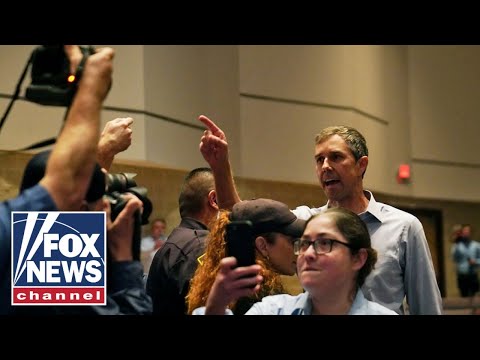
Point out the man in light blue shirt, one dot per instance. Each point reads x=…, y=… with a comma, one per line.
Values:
x=405, y=267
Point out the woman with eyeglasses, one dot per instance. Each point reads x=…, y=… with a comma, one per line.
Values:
x=334, y=258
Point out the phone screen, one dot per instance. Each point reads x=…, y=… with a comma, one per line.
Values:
x=240, y=242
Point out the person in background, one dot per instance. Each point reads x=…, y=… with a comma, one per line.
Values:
x=334, y=258
x=466, y=255
x=152, y=243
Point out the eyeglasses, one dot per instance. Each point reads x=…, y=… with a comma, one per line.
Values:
x=321, y=246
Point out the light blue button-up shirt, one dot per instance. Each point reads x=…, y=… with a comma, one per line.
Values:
x=404, y=266
x=301, y=304
x=462, y=252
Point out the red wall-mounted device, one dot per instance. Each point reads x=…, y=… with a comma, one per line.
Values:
x=403, y=174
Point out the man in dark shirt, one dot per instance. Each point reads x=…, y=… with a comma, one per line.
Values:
x=175, y=263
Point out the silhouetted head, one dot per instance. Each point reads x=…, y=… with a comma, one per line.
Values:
x=35, y=171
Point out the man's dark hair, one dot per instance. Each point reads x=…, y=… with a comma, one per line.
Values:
x=352, y=137
x=196, y=186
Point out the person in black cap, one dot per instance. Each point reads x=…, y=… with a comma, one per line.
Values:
x=274, y=229
x=125, y=288
x=35, y=171
x=334, y=258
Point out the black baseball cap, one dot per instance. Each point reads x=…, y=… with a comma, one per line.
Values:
x=268, y=215
x=35, y=171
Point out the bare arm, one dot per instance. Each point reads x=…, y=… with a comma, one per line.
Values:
x=214, y=148
x=72, y=160
x=116, y=137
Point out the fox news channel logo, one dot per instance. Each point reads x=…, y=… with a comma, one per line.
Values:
x=58, y=258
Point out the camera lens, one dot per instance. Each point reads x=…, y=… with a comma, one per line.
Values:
x=120, y=182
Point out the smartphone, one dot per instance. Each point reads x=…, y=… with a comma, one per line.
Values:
x=240, y=242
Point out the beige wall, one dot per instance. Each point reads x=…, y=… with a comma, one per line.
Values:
x=443, y=94
x=310, y=87
x=182, y=82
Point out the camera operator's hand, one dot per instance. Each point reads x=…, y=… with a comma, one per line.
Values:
x=97, y=75
x=95, y=63
x=120, y=232
x=116, y=137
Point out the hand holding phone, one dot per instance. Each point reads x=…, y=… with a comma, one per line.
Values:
x=240, y=242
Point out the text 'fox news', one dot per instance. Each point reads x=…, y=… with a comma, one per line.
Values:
x=58, y=258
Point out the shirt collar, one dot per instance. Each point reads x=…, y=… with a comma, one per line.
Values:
x=191, y=223
x=303, y=305
x=358, y=303
x=373, y=207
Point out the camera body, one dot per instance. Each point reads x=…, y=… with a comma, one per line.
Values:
x=121, y=183
x=50, y=73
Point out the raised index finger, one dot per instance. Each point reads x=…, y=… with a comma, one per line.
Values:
x=129, y=121
x=210, y=124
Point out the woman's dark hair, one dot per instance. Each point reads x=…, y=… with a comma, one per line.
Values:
x=356, y=233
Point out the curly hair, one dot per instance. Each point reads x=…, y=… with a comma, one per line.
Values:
x=206, y=273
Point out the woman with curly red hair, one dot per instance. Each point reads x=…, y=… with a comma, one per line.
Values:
x=274, y=228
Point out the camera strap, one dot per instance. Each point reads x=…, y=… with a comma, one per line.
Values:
x=47, y=142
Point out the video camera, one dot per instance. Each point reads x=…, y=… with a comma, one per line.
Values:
x=52, y=83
